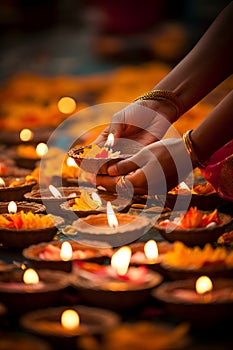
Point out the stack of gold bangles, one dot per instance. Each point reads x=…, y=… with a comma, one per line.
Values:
x=191, y=151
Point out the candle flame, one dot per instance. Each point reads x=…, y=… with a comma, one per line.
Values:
x=2, y=182
x=66, y=251
x=70, y=319
x=203, y=285
x=71, y=162
x=26, y=135
x=96, y=197
x=110, y=140
x=12, y=207
x=112, y=219
x=67, y=105
x=41, y=149
x=55, y=192
x=184, y=186
x=121, y=259
x=151, y=250
x=30, y=276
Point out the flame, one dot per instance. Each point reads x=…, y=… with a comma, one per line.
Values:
x=30, y=276
x=110, y=140
x=151, y=250
x=26, y=135
x=112, y=219
x=71, y=162
x=70, y=319
x=203, y=285
x=2, y=183
x=66, y=251
x=55, y=192
x=67, y=105
x=12, y=207
x=184, y=186
x=121, y=259
x=96, y=197
x=41, y=149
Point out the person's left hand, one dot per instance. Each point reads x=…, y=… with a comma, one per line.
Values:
x=155, y=169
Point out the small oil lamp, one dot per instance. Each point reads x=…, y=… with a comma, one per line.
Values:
x=110, y=141
x=120, y=260
x=70, y=319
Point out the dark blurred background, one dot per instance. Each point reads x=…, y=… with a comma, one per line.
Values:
x=84, y=37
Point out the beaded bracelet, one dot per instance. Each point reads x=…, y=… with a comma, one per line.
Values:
x=191, y=151
x=166, y=96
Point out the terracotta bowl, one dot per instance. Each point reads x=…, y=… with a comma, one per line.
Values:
x=19, y=239
x=95, y=228
x=32, y=254
x=201, y=201
x=20, y=298
x=46, y=323
x=120, y=204
x=35, y=208
x=201, y=314
x=213, y=271
x=94, y=165
x=193, y=236
x=118, y=296
x=15, y=193
x=52, y=204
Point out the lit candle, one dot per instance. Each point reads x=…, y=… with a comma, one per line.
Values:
x=41, y=149
x=184, y=186
x=110, y=141
x=12, y=207
x=2, y=183
x=121, y=259
x=30, y=276
x=66, y=251
x=70, y=319
x=55, y=192
x=96, y=197
x=112, y=219
x=151, y=250
x=71, y=162
x=26, y=135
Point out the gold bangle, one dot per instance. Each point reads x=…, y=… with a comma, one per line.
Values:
x=166, y=96
x=191, y=151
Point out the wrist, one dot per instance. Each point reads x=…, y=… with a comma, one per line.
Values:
x=163, y=108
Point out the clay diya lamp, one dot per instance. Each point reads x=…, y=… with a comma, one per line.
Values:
x=23, y=290
x=91, y=203
x=35, y=208
x=20, y=229
x=57, y=255
x=203, y=302
x=192, y=262
x=64, y=326
x=193, y=228
x=150, y=253
x=111, y=229
x=52, y=197
x=27, y=155
x=117, y=286
x=203, y=196
x=95, y=159
x=13, y=189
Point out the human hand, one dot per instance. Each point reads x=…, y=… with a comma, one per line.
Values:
x=137, y=122
x=155, y=169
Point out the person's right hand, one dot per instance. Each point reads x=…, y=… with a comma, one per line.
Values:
x=138, y=122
